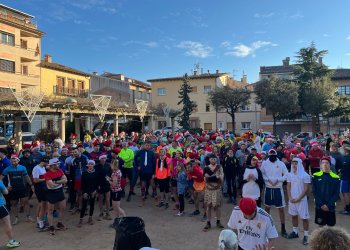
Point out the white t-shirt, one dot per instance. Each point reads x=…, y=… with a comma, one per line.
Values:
x=38, y=172
x=252, y=232
x=251, y=188
x=297, y=184
x=274, y=171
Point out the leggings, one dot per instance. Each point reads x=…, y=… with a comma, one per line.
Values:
x=182, y=202
x=231, y=185
x=91, y=201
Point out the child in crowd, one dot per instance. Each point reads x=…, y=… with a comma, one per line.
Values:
x=181, y=187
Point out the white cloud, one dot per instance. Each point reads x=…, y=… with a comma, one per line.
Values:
x=150, y=44
x=266, y=15
x=242, y=50
x=325, y=35
x=297, y=15
x=102, y=5
x=347, y=54
x=195, y=49
x=348, y=38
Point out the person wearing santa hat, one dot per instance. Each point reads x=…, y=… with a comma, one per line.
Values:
x=36, y=155
x=103, y=169
x=95, y=154
x=314, y=156
x=253, y=226
x=127, y=155
x=18, y=178
x=326, y=188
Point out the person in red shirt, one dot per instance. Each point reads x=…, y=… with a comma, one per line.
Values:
x=55, y=179
x=314, y=156
x=195, y=173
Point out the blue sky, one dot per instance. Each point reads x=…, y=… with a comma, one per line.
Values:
x=147, y=39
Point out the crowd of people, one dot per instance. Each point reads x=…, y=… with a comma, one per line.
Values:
x=205, y=169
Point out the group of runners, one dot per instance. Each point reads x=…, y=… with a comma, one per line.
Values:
x=203, y=168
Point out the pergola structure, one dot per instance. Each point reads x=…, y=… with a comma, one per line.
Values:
x=53, y=105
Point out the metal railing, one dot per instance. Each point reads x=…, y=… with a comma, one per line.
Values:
x=24, y=22
x=64, y=91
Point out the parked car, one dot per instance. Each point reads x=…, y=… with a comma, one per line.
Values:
x=27, y=137
x=303, y=135
x=165, y=130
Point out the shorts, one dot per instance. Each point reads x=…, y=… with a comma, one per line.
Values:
x=104, y=189
x=324, y=218
x=40, y=194
x=173, y=183
x=301, y=208
x=77, y=184
x=127, y=173
x=163, y=185
x=274, y=197
x=3, y=212
x=145, y=176
x=344, y=186
x=54, y=196
x=17, y=194
x=116, y=196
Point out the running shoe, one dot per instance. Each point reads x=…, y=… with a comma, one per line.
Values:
x=292, y=235
x=60, y=226
x=160, y=204
x=52, y=230
x=207, y=227
x=179, y=214
x=15, y=222
x=30, y=219
x=219, y=225
x=305, y=240
x=166, y=205
x=13, y=243
x=195, y=213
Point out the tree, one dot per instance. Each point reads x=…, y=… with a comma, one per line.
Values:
x=278, y=96
x=187, y=104
x=229, y=99
x=309, y=71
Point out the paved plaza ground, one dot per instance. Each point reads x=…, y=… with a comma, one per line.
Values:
x=166, y=231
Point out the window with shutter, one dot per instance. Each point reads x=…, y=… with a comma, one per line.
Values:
x=6, y=65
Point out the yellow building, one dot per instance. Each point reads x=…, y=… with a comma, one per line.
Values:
x=19, y=50
x=165, y=91
x=62, y=81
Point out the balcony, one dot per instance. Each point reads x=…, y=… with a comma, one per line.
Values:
x=63, y=91
x=27, y=22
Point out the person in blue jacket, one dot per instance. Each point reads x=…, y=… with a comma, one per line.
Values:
x=325, y=187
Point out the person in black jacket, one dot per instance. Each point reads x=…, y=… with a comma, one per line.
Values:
x=325, y=187
x=345, y=180
x=77, y=169
x=89, y=183
x=231, y=171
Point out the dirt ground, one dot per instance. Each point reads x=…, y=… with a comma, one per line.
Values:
x=166, y=231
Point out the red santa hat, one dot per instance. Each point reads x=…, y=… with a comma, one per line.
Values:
x=35, y=146
x=104, y=133
x=73, y=136
x=193, y=155
x=247, y=205
x=96, y=143
x=107, y=143
x=64, y=148
x=102, y=156
x=26, y=146
x=213, y=136
x=80, y=145
x=116, y=150
x=15, y=156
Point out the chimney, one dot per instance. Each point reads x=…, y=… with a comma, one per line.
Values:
x=320, y=61
x=244, y=79
x=217, y=71
x=286, y=61
x=48, y=58
x=194, y=72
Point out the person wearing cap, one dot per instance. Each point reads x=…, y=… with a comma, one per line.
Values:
x=38, y=174
x=325, y=187
x=298, y=185
x=5, y=218
x=89, y=185
x=275, y=173
x=18, y=178
x=104, y=170
x=345, y=180
x=214, y=177
x=127, y=155
x=4, y=161
x=253, y=181
x=55, y=179
x=314, y=156
x=78, y=167
x=253, y=225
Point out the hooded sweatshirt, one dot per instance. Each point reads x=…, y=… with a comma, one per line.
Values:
x=297, y=180
x=274, y=171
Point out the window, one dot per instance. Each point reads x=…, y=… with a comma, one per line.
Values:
x=245, y=108
x=194, y=89
x=207, y=107
x=24, y=44
x=25, y=70
x=245, y=125
x=161, y=91
x=206, y=89
x=6, y=65
x=81, y=85
x=60, y=81
x=8, y=39
x=148, y=96
x=139, y=94
x=220, y=125
x=344, y=90
x=161, y=124
x=71, y=83
x=208, y=126
x=344, y=120
x=49, y=125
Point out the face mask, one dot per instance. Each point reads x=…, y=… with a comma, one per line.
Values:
x=273, y=158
